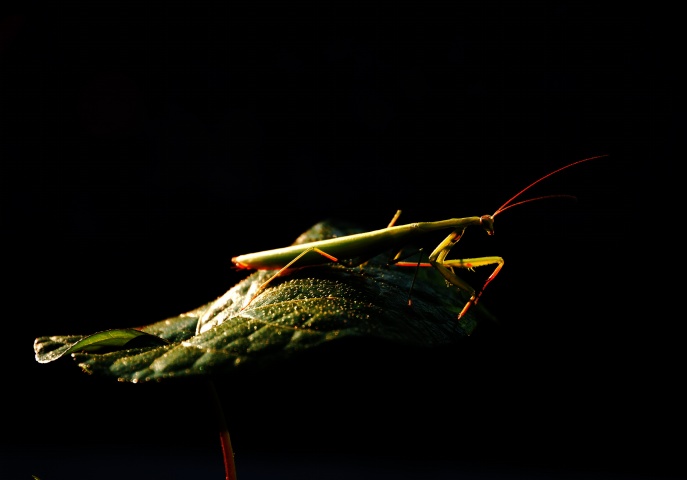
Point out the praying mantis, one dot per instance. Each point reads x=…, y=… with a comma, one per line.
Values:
x=357, y=248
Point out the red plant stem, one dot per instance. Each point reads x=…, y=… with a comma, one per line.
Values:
x=227, y=451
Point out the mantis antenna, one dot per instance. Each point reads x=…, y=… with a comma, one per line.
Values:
x=508, y=203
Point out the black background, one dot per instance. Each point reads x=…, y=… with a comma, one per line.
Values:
x=142, y=147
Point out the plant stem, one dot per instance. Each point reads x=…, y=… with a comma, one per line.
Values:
x=227, y=451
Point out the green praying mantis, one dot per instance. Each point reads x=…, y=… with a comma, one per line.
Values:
x=356, y=249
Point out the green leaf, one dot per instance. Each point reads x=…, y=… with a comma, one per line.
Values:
x=304, y=309
x=49, y=349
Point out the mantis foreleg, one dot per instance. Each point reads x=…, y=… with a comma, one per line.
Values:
x=438, y=260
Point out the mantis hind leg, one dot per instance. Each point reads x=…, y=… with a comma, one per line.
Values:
x=262, y=287
x=361, y=261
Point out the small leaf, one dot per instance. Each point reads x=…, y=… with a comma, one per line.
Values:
x=49, y=349
x=304, y=309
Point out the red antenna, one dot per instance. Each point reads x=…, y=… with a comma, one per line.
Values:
x=508, y=204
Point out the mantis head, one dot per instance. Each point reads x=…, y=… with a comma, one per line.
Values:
x=487, y=222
